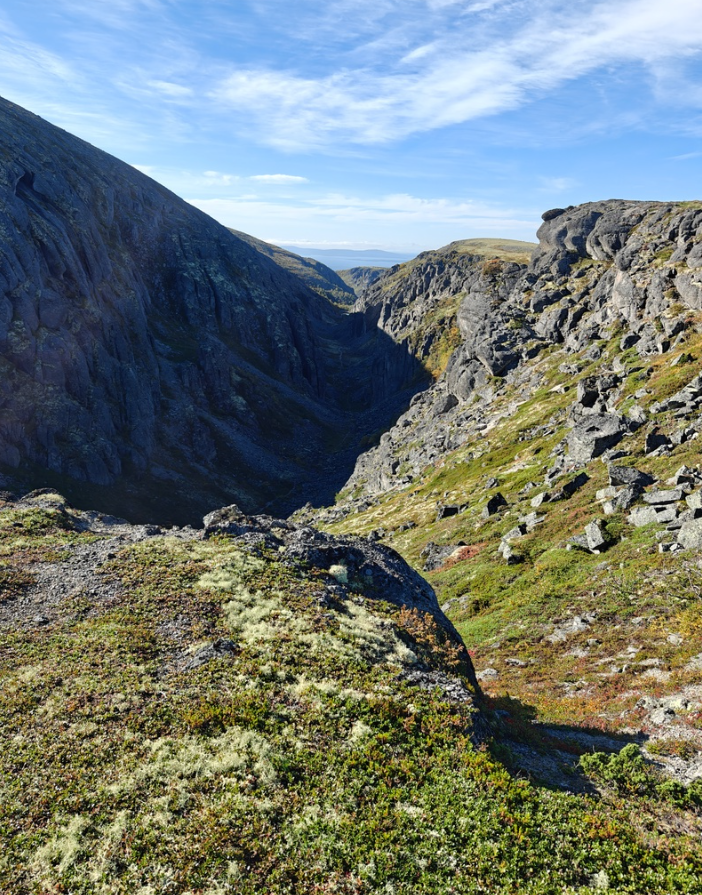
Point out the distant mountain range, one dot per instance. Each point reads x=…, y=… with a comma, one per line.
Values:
x=343, y=259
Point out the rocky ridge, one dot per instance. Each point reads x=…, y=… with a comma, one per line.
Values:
x=548, y=482
x=601, y=269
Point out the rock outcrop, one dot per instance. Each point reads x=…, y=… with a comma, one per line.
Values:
x=600, y=269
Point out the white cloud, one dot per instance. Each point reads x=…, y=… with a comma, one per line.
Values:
x=278, y=178
x=557, y=184
x=170, y=89
x=462, y=79
x=216, y=178
x=394, y=221
x=685, y=156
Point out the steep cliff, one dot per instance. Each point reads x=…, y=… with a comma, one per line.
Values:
x=152, y=356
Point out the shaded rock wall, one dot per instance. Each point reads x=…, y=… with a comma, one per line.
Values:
x=147, y=351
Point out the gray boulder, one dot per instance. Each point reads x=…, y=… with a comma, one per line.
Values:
x=592, y=435
x=596, y=538
x=690, y=535
x=628, y=475
x=672, y=495
x=493, y=506
x=641, y=516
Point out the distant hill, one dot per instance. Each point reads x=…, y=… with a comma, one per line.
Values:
x=314, y=273
x=360, y=278
x=343, y=259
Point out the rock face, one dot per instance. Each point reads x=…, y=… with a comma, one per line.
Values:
x=600, y=269
x=152, y=356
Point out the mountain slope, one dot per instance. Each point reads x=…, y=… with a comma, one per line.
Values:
x=317, y=276
x=153, y=363
x=548, y=482
x=256, y=707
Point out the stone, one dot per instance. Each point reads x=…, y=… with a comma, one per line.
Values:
x=628, y=475
x=517, y=532
x=592, y=435
x=493, y=506
x=443, y=512
x=684, y=358
x=531, y=520
x=655, y=441
x=694, y=500
x=636, y=417
x=626, y=498
x=690, y=535
x=672, y=495
x=508, y=554
x=435, y=555
x=628, y=341
x=641, y=516
x=487, y=674
x=596, y=539
x=569, y=489
x=539, y=499
x=605, y=493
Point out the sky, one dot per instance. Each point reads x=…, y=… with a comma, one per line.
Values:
x=393, y=124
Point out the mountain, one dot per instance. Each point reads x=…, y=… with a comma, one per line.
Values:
x=317, y=276
x=359, y=278
x=156, y=364
x=549, y=482
x=259, y=704
x=342, y=259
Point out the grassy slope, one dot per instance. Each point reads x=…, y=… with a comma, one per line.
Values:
x=506, y=612
x=300, y=764
x=317, y=276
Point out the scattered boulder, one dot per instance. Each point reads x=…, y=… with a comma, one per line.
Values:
x=592, y=435
x=628, y=475
x=593, y=540
x=531, y=520
x=672, y=495
x=641, y=516
x=655, y=441
x=690, y=535
x=443, y=512
x=507, y=553
x=540, y=498
x=622, y=500
x=596, y=539
x=435, y=555
x=493, y=506
x=569, y=489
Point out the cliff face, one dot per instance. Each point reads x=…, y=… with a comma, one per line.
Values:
x=145, y=348
x=599, y=269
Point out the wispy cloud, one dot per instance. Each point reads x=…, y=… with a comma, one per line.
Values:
x=386, y=214
x=557, y=184
x=458, y=82
x=278, y=178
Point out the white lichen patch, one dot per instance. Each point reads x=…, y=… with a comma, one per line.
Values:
x=178, y=763
x=340, y=572
x=62, y=851
x=358, y=732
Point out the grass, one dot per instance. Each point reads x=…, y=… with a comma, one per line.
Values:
x=301, y=763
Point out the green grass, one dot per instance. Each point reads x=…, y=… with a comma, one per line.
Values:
x=302, y=764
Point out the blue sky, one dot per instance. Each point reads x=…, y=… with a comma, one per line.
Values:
x=400, y=124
